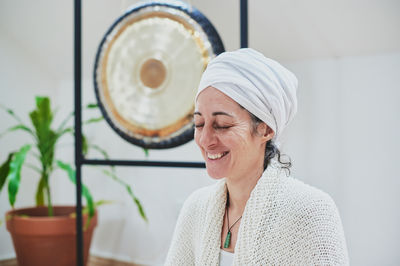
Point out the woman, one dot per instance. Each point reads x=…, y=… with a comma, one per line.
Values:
x=256, y=214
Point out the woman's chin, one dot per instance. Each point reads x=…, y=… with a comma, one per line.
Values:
x=215, y=174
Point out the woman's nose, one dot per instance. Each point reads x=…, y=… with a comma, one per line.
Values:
x=207, y=137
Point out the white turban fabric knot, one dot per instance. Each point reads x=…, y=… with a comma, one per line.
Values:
x=259, y=84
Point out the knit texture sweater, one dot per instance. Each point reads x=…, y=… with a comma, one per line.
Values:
x=285, y=222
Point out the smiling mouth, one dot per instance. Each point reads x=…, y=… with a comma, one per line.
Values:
x=216, y=156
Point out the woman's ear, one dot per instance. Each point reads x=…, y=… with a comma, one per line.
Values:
x=265, y=132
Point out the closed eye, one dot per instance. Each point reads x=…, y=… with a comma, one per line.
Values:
x=215, y=126
x=221, y=127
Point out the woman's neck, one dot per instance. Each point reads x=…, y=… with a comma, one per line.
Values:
x=240, y=188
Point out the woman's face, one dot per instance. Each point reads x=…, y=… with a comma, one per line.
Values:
x=223, y=131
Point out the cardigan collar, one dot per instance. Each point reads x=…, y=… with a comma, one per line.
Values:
x=216, y=209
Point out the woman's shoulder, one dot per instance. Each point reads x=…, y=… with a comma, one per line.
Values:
x=304, y=204
x=305, y=196
x=315, y=220
x=291, y=191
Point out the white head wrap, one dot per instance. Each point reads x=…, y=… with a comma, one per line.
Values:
x=259, y=84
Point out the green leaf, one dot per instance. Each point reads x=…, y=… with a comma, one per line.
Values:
x=64, y=131
x=93, y=120
x=70, y=115
x=130, y=192
x=41, y=118
x=65, y=121
x=101, y=150
x=18, y=127
x=14, y=175
x=104, y=153
x=85, y=145
x=33, y=167
x=4, y=170
x=103, y=202
x=21, y=125
x=97, y=204
x=92, y=105
x=85, y=191
x=146, y=152
x=140, y=209
x=12, y=113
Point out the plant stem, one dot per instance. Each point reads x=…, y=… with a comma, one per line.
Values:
x=48, y=196
x=49, y=205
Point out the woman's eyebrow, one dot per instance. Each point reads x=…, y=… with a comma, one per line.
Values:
x=214, y=113
x=221, y=113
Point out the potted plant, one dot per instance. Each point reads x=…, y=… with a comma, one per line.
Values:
x=45, y=234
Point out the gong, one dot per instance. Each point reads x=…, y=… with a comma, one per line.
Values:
x=147, y=69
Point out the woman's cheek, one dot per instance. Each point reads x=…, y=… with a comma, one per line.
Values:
x=240, y=133
x=196, y=136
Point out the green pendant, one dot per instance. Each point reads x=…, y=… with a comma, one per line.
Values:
x=227, y=240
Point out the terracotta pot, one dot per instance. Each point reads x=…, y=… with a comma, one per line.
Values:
x=40, y=240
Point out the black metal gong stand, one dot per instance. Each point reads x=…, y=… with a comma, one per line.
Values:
x=79, y=158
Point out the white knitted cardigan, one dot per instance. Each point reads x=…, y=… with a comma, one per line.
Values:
x=285, y=222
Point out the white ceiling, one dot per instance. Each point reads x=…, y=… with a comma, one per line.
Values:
x=287, y=30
